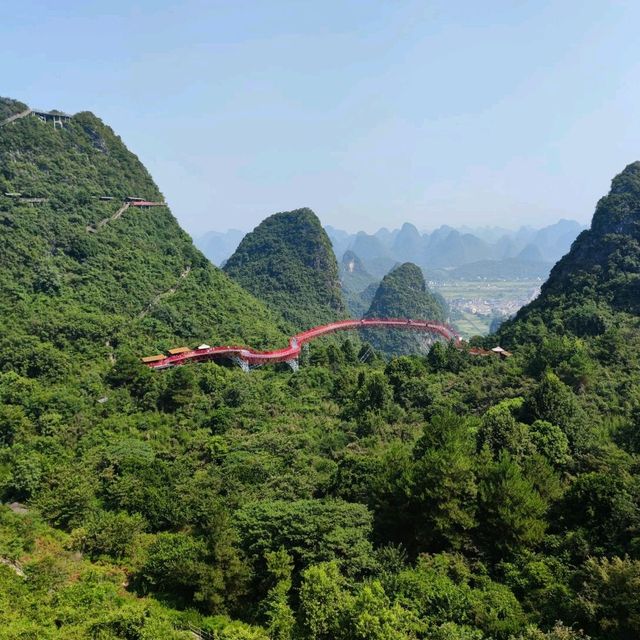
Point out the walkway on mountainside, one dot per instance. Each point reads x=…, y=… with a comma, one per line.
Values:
x=247, y=357
x=140, y=204
x=115, y=216
x=15, y=116
x=164, y=294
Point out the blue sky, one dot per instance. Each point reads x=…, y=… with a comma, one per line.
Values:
x=371, y=113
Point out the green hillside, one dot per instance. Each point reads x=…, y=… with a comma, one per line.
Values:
x=403, y=293
x=72, y=285
x=287, y=261
x=441, y=497
x=10, y=107
x=596, y=286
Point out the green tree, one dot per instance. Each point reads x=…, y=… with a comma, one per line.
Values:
x=550, y=441
x=279, y=615
x=13, y=420
x=608, y=597
x=603, y=508
x=312, y=531
x=66, y=497
x=181, y=388
x=501, y=431
x=111, y=534
x=173, y=566
x=510, y=511
x=558, y=632
x=554, y=402
x=444, y=487
x=323, y=601
x=372, y=616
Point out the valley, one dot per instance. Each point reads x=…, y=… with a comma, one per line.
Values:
x=482, y=277
x=475, y=304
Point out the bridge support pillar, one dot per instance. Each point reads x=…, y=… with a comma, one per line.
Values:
x=243, y=364
x=294, y=364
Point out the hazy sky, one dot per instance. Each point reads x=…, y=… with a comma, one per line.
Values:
x=371, y=113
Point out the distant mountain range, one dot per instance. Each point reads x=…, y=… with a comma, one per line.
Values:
x=445, y=250
x=219, y=245
x=445, y=253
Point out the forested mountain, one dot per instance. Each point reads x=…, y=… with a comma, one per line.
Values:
x=450, y=496
x=403, y=293
x=90, y=276
x=599, y=278
x=287, y=261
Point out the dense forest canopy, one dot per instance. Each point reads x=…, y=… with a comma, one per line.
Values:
x=287, y=261
x=436, y=497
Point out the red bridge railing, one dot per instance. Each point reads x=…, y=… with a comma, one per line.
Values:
x=250, y=357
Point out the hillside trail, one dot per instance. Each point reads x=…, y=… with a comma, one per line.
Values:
x=15, y=116
x=115, y=216
x=164, y=294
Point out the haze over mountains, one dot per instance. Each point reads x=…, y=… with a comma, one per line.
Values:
x=446, y=252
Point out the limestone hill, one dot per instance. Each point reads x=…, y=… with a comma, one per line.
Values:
x=358, y=285
x=287, y=261
x=599, y=278
x=86, y=271
x=403, y=293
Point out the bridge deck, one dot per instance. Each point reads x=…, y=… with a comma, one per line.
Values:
x=292, y=351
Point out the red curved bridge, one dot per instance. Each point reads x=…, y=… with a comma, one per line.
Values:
x=247, y=357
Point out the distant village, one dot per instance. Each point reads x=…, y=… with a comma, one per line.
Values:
x=491, y=306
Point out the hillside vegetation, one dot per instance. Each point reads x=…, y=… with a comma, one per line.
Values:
x=594, y=289
x=10, y=107
x=403, y=293
x=287, y=261
x=437, y=497
x=72, y=292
